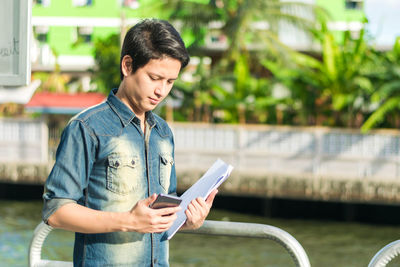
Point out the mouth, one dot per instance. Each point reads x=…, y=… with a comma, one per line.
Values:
x=154, y=101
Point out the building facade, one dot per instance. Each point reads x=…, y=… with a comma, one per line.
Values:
x=65, y=30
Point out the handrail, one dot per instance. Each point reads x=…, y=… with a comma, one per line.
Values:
x=221, y=228
x=35, y=249
x=385, y=255
x=254, y=230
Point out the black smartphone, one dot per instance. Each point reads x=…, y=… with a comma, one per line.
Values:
x=166, y=201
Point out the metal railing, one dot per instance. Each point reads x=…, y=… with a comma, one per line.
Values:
x=35, y=249
x=253, y=230
x=236, y=229
x=385, y=255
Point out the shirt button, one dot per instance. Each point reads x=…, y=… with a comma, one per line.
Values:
x=133, y=162
x=116, y=164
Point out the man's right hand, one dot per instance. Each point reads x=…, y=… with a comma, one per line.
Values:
x=144, y=219
x=141, y=218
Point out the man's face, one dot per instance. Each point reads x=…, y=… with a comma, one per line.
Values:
x=150, y=84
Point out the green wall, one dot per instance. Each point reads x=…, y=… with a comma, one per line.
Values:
x=99, y=8
x=337, y=9
x=339, y=13
x=62, y=38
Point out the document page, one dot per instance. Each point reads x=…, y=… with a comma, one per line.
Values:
x=212, y=179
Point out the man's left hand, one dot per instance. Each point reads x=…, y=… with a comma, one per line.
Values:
x=198, y=210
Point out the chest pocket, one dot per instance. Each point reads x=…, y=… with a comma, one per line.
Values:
x=166, y=162
x=123, y=173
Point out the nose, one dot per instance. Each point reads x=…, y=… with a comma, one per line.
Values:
x=161, y=89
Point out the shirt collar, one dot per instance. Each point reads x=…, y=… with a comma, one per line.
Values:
x=124, y=113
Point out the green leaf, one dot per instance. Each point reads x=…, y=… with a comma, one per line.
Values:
x=339, y=101
x=379, y=115
x=329, y=56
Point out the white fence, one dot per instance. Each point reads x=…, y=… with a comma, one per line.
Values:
x=262, y=150
x=23, y=141
x=290, y=150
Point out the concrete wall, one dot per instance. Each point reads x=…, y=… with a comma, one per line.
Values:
x=293, y=151
x=291, y=162
x=23, y=140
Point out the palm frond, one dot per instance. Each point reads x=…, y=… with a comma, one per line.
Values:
x=379, y=115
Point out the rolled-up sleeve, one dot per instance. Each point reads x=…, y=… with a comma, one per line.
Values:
x=71, y=171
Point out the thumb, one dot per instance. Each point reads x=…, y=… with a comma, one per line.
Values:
x=148, y=201
x=211, y=197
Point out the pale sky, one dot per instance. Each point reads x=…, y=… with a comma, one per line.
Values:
x=384, y=20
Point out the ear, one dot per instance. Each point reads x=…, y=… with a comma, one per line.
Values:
x=126, y=65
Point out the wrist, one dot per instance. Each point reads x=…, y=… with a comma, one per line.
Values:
x=124, y=222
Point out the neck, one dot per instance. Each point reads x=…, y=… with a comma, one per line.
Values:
x=126, y=100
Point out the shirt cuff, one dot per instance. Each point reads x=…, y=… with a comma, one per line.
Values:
x=50, y=206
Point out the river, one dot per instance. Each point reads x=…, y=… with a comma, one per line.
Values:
x=327, y=243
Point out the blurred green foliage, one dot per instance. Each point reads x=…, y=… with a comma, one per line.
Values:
x=257, y=79
x=107, y=57
x=332, y=90
x=384, y=74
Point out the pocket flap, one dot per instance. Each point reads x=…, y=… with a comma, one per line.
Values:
x=117, y=161
x=167, y=159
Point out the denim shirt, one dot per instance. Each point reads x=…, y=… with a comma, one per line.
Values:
x=105, y=162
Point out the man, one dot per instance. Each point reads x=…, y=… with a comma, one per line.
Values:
x=114, y=158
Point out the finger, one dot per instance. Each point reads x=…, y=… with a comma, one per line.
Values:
x=211, y=197
x=200, y=206
x=168, y=211
x=201, y=202
x=168, y=218
x=194, y=207
x=163, y=228
x=197, y=211
x=165, y=224
x=163, y=221
x=189, y=215
x=194, y=220
x=148, y=201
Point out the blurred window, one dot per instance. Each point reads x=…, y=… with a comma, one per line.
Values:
x=41, y=33
x=354, y=4
x=133, y=4
x=82, y=2
x=85, y=34
x=44, y=3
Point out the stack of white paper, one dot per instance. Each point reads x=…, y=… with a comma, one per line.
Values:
x=213, y=178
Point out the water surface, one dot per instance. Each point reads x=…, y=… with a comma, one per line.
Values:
x=327, y=243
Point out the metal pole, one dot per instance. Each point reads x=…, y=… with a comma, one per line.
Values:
x=253, y=230
x=220, y=228
x=385, y=255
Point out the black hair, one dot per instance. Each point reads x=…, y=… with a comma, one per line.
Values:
x=152, y=39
